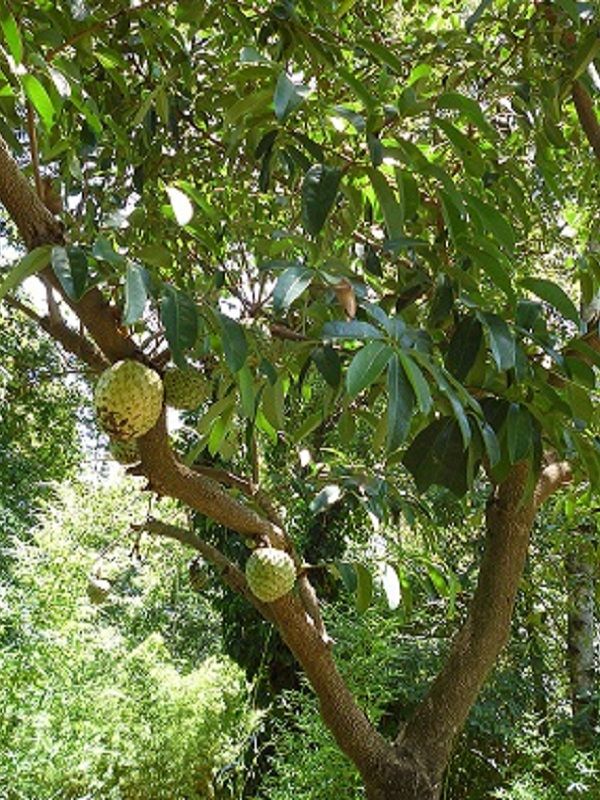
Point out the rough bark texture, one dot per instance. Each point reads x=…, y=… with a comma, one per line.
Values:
x=581, y=586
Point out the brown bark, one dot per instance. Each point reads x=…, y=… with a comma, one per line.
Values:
x=587, y=115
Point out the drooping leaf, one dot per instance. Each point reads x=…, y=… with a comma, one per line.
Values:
x=464, y=347
x=290, y=285
x=438, y=456
x=235, y=345
x=417, y=381
x=553, y=294
x=519, y=432
x=181, y=205
x=70, y=266
x=32, y=263
x=390, y=207
x=286, y=98
x=319, y=190
x=391, y=586
x=502, y=342
x=136, y=293
x=40, y=99
x=329, y=365
x=179, y=317
x=401, y=402
x=12, y=35
x=366, y=366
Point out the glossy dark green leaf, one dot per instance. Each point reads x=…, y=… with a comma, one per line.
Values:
x=417, y=381
x=290, y=285
x=466, y=149
x=103, y=250
x=347, y=573
x=235, y=345
x=353, y=329
x=437, y=456
x=502, y=342
x=366, y=366
x=319, y=191
x=136, y=293
x=553, y=294
x=401, y=403
x=179, y=317
x=470, y=109
x=70, y=266
x=519, y=432
x=329, y=365
x=464, y=347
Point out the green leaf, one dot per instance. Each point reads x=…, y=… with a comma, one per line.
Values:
x=502, y=342
x=179, y=317
x=519, y=432
x=327, y=497
x=248, y=105
x=551, y=293
x=353, y=329
x=418, y=383
x=247, y=392
x=465, y=148
x=308, y=426
x=103, y=250
x=364, y=588
x=319, y=191
x=272, y=404
x=464, y=347
x=474, y=18
x=32, y=263
x=40, y=99
x=390, y=208
x=70, y=266
x=383, y=54
x=12, y=35
x=401, y=403
x=587, y=51
x=492, y=221
x=469, y=108
x=366, y=366
x=286, y=98
x=235, y=345
x=136, y=293
x=347, y=573
x=329, y=365
x=437, y=456
x=290, y=285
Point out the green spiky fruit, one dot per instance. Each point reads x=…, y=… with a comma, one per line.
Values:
x=184, y=388
x=270, y=573
x=128, y=399
x=124, y=452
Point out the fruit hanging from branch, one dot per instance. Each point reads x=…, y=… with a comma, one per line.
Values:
x=270, y=573
x=128, y=400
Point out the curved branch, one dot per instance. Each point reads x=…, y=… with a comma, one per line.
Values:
x=429, y=734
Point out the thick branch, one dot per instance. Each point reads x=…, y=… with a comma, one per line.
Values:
x=430, y=733
x=587, y=115
x=247, y=487
x=170, y=477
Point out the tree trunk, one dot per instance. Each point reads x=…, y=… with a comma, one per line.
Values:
x=580, y=638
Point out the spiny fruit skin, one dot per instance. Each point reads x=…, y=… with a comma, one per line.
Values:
x=128, y=399
x=124, y=452
x=184, y=388
x=270, y=573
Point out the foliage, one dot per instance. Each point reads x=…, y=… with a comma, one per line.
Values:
x=127, y=700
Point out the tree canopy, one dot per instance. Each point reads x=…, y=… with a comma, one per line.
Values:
x=372, y=226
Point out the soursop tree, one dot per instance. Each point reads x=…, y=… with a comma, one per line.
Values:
x=401, y=200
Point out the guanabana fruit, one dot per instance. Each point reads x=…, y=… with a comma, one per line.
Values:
x=184, y=388
x=128, y=399
x=270, y=573
x=124, y=452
